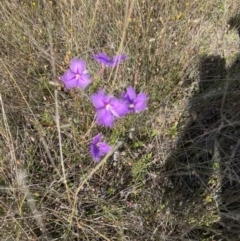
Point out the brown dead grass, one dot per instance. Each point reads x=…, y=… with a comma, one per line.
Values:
x=124, y=200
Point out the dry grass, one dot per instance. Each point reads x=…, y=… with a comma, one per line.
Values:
x=176, y=175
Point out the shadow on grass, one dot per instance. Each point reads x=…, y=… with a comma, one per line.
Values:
x=204, y=168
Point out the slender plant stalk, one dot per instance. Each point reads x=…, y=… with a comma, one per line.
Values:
x=128, y=13
x=92, y=23
x=37, y=125
x=53, y=69
x=89, y=176
x=20, y=176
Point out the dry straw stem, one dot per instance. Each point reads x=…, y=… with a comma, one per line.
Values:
x=20, y=174
x=128, y=13
x=9, y=138
x=53, y=69
x=37, y=124
x=92, y=23
x=89, y=176
x=82, y=225
x=30, y=200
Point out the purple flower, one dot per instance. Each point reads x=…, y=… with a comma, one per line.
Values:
x=104, y=59
x=77, y=75
x=98, y=148
x=118, y=58
x=135, y=102
x=108, y=108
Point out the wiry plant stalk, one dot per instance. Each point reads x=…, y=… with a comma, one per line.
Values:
x=53, y=69
x=89, y=176
x=20, y=176
x=128, y=13
x=37, y=124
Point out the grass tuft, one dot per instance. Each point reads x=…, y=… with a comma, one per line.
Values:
x=174, y=171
